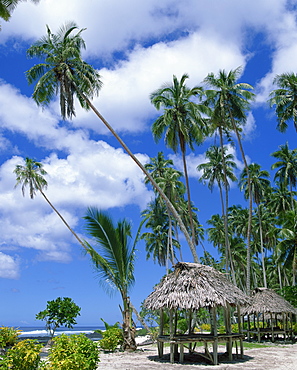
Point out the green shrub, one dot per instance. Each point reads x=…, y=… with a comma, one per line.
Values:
x=295, y=328
x=205, y=327
x=141, y=332
x=74, y=352
x=111, y=338
x=8, y=336
x=24, y=355
x=182, y=325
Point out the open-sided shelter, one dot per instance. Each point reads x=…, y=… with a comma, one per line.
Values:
x=271, y=315
x=189, y=287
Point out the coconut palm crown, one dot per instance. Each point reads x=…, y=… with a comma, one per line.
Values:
x=63, y=71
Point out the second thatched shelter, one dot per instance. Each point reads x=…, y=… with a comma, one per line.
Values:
x=190, y=287
x=271, y=314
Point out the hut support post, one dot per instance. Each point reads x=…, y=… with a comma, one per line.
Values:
x=258, y=324
x=161, y=332
x=214, y=332
x=172, y=346
x=240, y=331
x=249, y=327
x=272, y=328
x=190, y=329
x=227, y=312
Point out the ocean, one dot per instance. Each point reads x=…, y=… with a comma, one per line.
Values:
x=37, y=331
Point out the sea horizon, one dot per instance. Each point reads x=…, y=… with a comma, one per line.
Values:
x=40, y=331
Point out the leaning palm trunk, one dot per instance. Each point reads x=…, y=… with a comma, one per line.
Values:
x=153, y=182
x=61, y=217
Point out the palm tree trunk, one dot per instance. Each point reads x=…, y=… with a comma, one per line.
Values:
x=128, y=329
x=248, y=257
x=61, y=217
x=147, y=174
x=189, y=197
x=262, y=249
x=225, y=213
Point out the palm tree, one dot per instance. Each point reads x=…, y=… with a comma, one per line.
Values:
x=182, y=123
x=219, y=169
x=259, y=184
x=288, y=244
x=285, y=100
x=31, y=175
x=113, y=258
x=63, y=72
x=279, y=199
x=287, y=166
x=158, y=243
x=167, y=179
x=230, y=101
x=7, y=7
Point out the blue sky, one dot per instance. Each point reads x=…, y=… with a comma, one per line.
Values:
x=137, y=46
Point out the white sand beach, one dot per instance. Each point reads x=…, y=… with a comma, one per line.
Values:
x=276, y=357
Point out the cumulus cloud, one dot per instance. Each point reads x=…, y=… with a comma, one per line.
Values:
x=136, y=46
x=9, y=266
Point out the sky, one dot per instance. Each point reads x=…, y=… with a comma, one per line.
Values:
x=137, y=46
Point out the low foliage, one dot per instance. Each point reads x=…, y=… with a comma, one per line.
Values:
x=24, y=355
x=111, y=339
x=74, y=352
x=8, y=336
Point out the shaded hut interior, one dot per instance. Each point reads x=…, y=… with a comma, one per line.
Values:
x=188, y=288
x=269, y=316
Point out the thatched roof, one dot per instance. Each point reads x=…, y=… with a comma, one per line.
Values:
x=191, y=286
x=265, y=300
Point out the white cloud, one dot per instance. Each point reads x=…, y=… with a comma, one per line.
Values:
x=9, y=267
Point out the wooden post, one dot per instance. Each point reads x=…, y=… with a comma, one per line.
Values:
x=240, y=331
x=171, y=335
x=214, y=332
x=228, y=330
x=161, y=332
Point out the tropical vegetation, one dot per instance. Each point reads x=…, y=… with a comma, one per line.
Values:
x=256, y=245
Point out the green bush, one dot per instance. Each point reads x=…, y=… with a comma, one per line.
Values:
x=24, y=355
x=182, y=325
x=8, y=336
x=111, y=338
x=74, y=352
x=205, y=327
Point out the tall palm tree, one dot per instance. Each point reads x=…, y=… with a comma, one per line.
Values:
x=182, y=123
x=284, y=98
x=231, y=101
x=259, y=184
x=7, y=7
x=168, y=179
x=287, y=166
x=63, y=72
x=113, y=258
x=218, y=169
x=288, y=244
x=31, y=175
x=280, y=199
x=158, y=244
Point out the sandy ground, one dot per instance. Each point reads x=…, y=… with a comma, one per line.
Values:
x=276, y=357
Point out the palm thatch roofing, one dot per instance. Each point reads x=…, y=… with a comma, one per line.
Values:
x=191, y=286
x=266, y=300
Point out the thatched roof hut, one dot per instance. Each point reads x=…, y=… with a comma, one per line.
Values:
x=272, y=315
x=192, y=286
x=266, y=300
x=189, y=287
